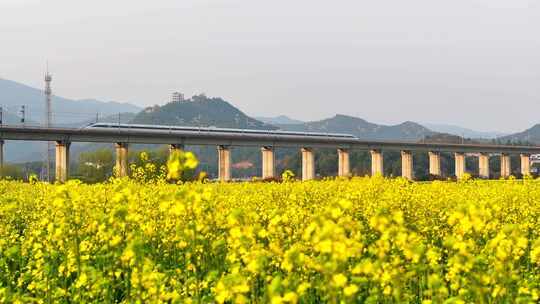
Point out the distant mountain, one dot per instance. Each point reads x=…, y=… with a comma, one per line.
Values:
x=362, y=128
x=281, y=119
x=464, y=132
x=66, y=113
x=531, y=135
x=114, y=118
x=199, y=111
x=451, y=139
x=13, y=95
x=10, y=118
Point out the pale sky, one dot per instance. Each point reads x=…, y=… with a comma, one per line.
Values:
x=474, y=63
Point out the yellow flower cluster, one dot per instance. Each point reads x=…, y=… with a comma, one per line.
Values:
x=365, y=240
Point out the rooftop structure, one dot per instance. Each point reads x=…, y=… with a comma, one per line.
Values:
x=177, y=97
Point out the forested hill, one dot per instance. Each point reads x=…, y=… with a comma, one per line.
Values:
x=199, y=111
x=362, y=128
x=453, y=139
x=280, y=119
x=529, y=136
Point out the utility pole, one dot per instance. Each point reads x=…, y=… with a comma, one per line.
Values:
x=23, y=113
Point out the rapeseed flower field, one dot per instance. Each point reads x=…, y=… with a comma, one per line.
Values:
x=363, y=240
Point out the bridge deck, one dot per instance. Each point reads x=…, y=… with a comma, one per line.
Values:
x=207, y=137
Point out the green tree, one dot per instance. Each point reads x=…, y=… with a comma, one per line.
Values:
x=13, y=171
x=95, y=166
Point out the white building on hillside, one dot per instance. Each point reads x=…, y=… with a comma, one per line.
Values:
x=177, y=97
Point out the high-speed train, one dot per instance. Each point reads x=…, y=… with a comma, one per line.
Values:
x=140, y=127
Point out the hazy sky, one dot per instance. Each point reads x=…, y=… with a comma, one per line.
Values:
x=475, y=63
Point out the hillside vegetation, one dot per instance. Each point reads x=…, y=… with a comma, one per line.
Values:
x=362, y=128
x=531, y=135
x=199, y=111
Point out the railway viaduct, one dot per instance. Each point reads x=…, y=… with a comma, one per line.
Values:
x=307, y=143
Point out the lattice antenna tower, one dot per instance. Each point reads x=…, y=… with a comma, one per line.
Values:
x=48, y=122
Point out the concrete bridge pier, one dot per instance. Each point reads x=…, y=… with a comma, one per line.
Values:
x=268, y=162
x=525, y=164
x=435, y=163
x=343, y=163
x=224, y=163
x=1, y=158
x=483, y=165
x=121, y=168
x=459, y=164
x=407, y=165
x=176, y=148
x=377, y=166
x=308, y=164
x=506, y=168
x=62, y=161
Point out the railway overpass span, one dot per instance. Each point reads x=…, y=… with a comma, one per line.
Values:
x=124, y=135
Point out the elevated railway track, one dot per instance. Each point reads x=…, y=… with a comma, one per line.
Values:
x=122, y=135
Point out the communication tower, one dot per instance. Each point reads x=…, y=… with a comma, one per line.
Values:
x=48, y=122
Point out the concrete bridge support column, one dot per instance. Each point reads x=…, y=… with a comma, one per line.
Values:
x=483, y=165
x=506, y=169
x=224, y=163
x=308, y=164
x=268, y=162
x=62, y=161
x=121, y=168
x=525, y=164
x=1, y=158
x=343, y=163
x=377, y=166
x=176, y=148
x=407, y=165
x=459, y=164
x=435, y=163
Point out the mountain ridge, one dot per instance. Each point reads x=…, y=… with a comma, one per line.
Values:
x=362, y=128
x=531, y=135
x=15, y=94
x=462, y=131
x=199, y=110
x=280, y=119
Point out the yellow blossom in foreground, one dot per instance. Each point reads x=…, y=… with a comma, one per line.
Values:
x=363, y=240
